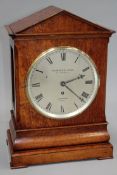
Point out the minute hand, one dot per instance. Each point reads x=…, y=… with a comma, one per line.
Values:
x=81, y=99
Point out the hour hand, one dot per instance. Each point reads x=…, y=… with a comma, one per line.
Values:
x=80, y=76
x=71, y=80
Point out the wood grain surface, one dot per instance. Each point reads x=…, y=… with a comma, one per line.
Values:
x=30, y=132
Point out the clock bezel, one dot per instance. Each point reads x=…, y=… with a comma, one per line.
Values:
x=76, y=112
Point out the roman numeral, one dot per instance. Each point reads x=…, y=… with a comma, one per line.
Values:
x=81, y=76
x=63, y=56
x=76, y=105
x=39, y=71
x=62, y=109
x=85, y=69
x=48, y=107
x=39, y=97
x=89, y=82
x=36, y=85
x=77, y=58
x=84, y=94
x=49, y=60
x=82, y=100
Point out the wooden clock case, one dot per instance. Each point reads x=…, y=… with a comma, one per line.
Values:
x=32, y=138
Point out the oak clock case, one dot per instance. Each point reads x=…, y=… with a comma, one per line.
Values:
x=58, y=89
x=55, y=78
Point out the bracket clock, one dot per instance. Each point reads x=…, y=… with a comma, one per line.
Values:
x=59, y=64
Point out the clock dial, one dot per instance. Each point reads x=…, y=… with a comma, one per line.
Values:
x=62, y=82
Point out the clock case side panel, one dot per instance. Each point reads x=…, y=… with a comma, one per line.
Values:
x=13, y=84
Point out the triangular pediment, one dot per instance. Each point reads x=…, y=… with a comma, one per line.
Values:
x=53, y=20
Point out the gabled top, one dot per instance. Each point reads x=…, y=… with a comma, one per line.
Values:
x=53, y=20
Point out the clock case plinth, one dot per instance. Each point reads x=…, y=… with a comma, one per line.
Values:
x=60, y=144
x=32, y=138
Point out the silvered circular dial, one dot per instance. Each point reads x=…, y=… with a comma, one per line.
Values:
x=62, y=82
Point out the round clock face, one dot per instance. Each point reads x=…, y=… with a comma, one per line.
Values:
x=62, y=82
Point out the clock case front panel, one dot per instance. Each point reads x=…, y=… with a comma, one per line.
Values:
x=29, y=130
